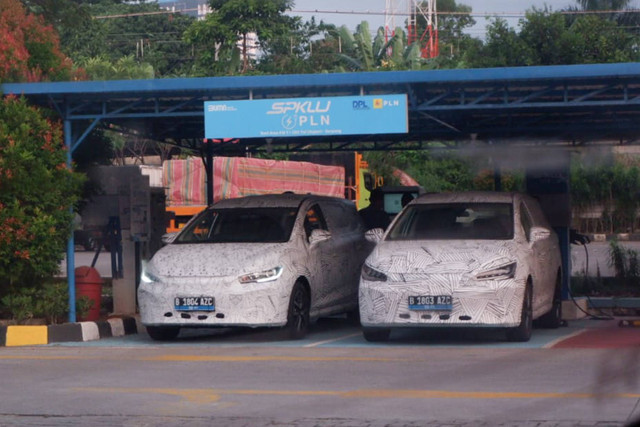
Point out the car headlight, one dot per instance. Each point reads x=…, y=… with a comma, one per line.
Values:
x=262, y=276
x=506, y=271
x=147, y=277
x=372, y=274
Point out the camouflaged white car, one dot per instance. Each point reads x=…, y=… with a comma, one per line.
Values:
x=477, y=259
x=273, y=260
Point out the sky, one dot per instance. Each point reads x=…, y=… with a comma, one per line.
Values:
x=352, y=12
x=511, y=10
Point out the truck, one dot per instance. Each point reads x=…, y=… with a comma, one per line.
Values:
x=344, y=175
x=184, y=181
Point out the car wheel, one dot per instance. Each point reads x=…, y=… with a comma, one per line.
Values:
x=376, y=334
x=163, y=333
x=298, y=314
x=553, y=318
x=522, y=332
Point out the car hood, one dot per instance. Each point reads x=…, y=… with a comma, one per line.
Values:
x=441, y=257
x=217, y=260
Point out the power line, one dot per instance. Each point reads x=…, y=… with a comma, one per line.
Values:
x=382, y=13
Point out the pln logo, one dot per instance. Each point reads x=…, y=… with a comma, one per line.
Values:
x=378, y=103
x=360, y=105
x=289, y=121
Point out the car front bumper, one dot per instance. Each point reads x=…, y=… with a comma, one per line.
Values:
x=477, y=304
x=246, y=305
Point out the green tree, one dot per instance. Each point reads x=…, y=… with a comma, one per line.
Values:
x=30, y=49
x=36, y=192
x=597, y=40
x=230, y=25
x=547, y=38
x=551, y=38
x=125, y=68
x=453, y=21
x=436, y=172
x=617, y=10
x=55, y=12
x=361, y=52
x=603, y=4
x=308, y=48
x=503, y=48
x=115, y=29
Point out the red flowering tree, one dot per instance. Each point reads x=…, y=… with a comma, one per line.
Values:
x=29, y=49
x=36, y=193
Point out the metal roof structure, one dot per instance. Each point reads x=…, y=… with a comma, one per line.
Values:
x=546, y=105
x=569, y=104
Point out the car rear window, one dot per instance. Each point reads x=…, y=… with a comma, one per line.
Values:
x=455, y=221
x=241, y=225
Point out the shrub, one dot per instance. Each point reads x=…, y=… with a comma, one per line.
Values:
x=37, y=192
x=625, y=263
x=50, y=301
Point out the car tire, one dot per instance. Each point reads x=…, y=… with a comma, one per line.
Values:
x=553, y=318
x=163, y=333
x=298, y=313
x=376, y=334
x=522, y=332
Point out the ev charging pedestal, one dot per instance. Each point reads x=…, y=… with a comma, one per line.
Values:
x=547, y=179
x=127, y=202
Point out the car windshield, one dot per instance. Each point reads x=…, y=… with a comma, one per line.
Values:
x=241, y=225
x=455, y=221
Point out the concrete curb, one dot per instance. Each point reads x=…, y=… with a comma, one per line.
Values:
x=18, y=335
x=614, y=302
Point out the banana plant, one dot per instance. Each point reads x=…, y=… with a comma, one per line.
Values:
x=362, y=53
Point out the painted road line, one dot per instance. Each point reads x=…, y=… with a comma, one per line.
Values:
x=194, y=358
x=315, y=344
x=23, y=357
x=219, y=359
x=213, y=395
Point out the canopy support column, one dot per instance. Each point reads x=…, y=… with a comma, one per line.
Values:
x=71, y=277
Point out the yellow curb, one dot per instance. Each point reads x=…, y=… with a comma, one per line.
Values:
x=26, y=335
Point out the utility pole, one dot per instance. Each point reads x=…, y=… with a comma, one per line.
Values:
x=411, y=9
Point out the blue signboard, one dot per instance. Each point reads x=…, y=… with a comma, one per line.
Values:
x=296, y=117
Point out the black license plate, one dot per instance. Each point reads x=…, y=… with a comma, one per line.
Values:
x=200, y=303
x=430, y=302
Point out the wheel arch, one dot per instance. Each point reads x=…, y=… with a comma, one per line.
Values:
x=305, y=283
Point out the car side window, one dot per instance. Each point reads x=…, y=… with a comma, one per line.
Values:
x=314, y=220
x=343, y=217
x=525, y=220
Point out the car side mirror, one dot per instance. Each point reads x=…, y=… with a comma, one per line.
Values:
x=374, y=235
x=169, y=237
x=318, y=235
x=539, y=233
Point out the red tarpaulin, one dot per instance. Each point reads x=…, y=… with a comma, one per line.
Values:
x=241, y=176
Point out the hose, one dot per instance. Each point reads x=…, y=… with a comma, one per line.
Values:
x=580, y=239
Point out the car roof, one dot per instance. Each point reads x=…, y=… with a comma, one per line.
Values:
x=467, y=197
x=284, y=200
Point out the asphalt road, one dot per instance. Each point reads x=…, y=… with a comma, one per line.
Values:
x=331, y=378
